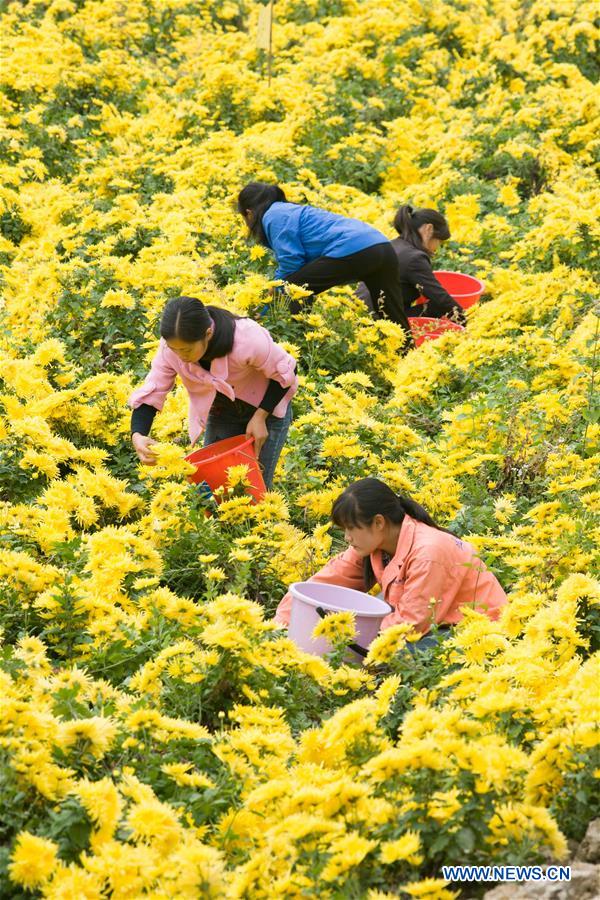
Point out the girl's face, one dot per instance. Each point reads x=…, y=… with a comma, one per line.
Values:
x=190, y=352
x=430, y=243
x=366, y=539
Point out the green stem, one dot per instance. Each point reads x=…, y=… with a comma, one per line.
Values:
x=592, y=382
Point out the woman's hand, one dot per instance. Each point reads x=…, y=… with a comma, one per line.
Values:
x=257, y=428
x=142, y=444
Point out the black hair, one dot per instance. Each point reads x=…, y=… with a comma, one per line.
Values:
x=362, y=501
x=258, y=196
x=407, y=222
x=188, y=319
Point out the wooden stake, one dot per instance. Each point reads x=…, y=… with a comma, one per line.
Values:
x=264, y=34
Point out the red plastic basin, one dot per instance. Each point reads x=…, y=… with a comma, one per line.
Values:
x=465, y=289
x=212, y=463
x=425, y=329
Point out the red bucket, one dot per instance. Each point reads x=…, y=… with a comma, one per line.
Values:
x=429, y=329
x=465, y=289
x=212, y=463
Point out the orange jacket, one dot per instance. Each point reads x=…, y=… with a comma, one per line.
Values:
x=431, y=575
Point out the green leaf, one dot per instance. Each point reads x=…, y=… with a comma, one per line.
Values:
x=465, y=839
x=591, y=415
x=440, y=843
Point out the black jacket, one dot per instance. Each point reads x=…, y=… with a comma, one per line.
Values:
x=416, y=277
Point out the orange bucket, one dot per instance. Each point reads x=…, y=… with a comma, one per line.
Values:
x=212, y=463
x=424, y=329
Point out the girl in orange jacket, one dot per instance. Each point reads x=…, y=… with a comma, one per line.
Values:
x=426, y=574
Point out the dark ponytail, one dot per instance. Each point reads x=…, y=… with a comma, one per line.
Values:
x=362, y=501
x=407, y=222
x=257, y=197
x=188, y=319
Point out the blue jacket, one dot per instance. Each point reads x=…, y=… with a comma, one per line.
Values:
x=298, y=234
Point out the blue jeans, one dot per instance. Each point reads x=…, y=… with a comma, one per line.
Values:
x=233, y=422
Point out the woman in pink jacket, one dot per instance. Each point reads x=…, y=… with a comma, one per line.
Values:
x=426, y=574
x=239, y=381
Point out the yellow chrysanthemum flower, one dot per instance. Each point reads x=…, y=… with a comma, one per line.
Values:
x=33, y=861
x=339, y=627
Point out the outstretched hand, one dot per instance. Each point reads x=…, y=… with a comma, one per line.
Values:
x=142, y=444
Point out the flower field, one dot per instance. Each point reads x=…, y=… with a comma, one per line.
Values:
x=160, y=736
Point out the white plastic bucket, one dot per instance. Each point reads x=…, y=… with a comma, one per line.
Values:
x=308, y=597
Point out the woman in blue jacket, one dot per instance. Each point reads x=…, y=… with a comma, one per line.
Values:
x=318, y=249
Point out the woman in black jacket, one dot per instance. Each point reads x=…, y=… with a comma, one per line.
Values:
x=421, y=233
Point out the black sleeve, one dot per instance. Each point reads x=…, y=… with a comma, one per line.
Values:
x=142, y=419
x=440, y=303
x=273, y=394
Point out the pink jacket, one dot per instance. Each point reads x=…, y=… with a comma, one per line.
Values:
x=243, y=374
x=427, y=564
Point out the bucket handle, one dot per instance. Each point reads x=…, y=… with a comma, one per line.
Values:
x=251, y=456
x=361, y=651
